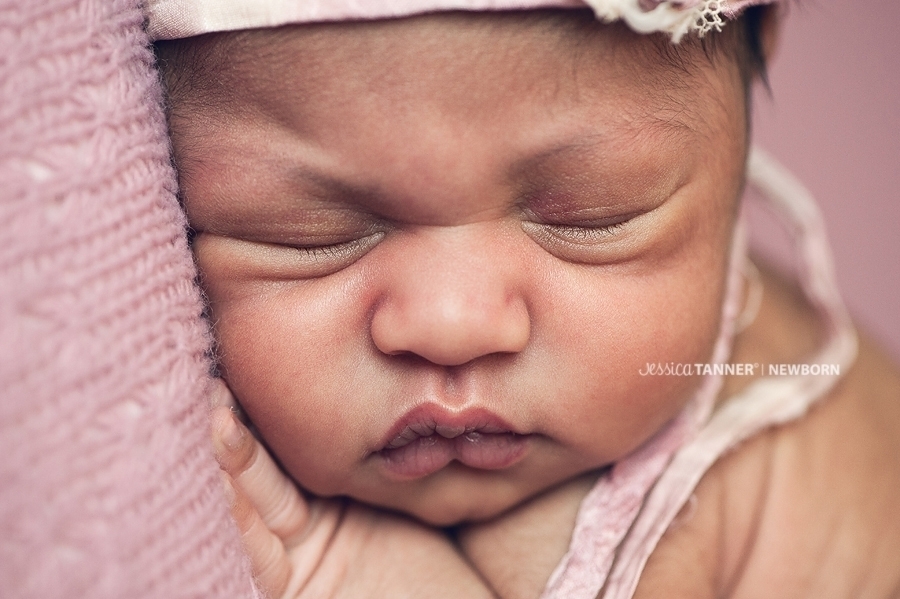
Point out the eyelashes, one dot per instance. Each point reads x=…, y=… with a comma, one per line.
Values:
x=610, y=240
x=337, y=252
x=582, y=234
x=321, y=260
x=585, y=244
x=281, y=261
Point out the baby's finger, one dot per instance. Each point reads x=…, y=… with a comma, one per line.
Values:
x=221, y=395
x=275, y=497
x=268, y=558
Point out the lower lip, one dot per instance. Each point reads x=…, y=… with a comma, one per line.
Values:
x=427, y=455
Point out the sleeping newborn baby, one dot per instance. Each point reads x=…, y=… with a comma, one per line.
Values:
x=440, y=252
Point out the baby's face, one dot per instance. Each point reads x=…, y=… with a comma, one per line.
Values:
x=439, y=251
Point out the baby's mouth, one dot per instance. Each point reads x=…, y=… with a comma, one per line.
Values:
x=428, y=439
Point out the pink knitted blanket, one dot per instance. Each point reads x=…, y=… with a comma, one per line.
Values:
x=108, y=486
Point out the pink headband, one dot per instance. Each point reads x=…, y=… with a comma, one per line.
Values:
x=173, y=19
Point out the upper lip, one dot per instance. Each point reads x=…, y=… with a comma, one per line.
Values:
x=430, y=419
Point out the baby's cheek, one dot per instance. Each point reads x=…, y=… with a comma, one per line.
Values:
x=666, y=317
x=286, y=351
x=677, y=327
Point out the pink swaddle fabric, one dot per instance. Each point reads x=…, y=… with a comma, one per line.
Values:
x=108, y=486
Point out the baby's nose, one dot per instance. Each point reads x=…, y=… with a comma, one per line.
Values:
x=451, y=305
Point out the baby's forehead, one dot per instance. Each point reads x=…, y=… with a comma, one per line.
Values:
x=392, y=105
x=502, y=53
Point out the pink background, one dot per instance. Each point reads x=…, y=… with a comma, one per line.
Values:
x=834, y=120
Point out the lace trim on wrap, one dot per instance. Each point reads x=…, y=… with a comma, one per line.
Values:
x=675, y=17
x=171, y=19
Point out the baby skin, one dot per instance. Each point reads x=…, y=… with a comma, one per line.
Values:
x=438, y=252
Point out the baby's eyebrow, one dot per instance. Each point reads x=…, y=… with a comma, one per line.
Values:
x=578, y=145
x=330, y=189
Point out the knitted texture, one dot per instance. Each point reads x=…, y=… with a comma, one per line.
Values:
x=108, y=486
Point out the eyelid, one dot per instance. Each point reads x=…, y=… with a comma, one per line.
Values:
x=585, y=219
x=287, y=261
x=590, y=242
x=588, y=233
x=337, y=250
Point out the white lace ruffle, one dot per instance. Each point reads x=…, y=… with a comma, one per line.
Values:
x=170, y=19
x=675, y=17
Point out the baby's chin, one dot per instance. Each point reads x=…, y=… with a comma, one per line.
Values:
x=445, y=513
x=457, y=495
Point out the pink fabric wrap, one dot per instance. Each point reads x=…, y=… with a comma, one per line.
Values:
x=108, y=486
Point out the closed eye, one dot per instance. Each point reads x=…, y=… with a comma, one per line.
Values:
x=594, y=242
x=283, y=261
x=347, y=250
x=584, y=234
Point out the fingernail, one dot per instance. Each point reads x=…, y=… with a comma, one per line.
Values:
x=220, y=395
x=228, y=488
x=232, y=433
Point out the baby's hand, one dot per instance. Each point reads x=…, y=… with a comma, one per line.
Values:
x=270, y=512
x=302, y=547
